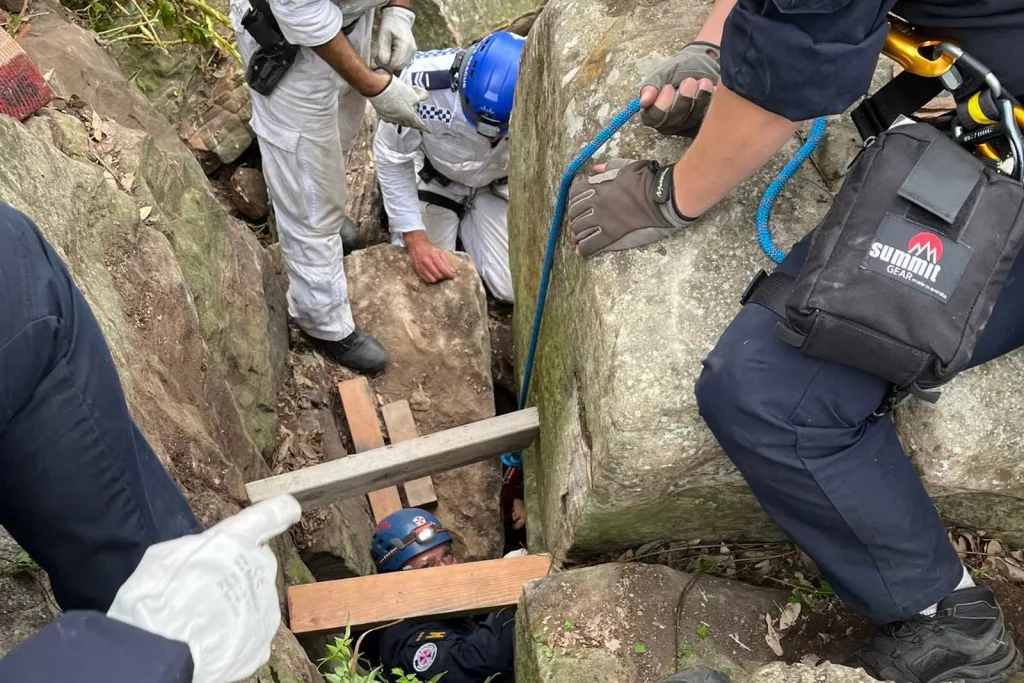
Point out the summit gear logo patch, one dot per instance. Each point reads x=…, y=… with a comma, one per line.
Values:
x=917, y=257
x=926, y=245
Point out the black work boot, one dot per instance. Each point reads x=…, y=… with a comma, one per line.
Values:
x=967, y=640
x=349, y=236
x=358, y=351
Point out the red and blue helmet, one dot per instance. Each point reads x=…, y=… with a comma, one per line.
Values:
x=403, y=535
x=487, y=83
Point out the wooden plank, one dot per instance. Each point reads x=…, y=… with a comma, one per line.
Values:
x=402, y=427
x=357, y=474
x=452, y=590
x=361, y=414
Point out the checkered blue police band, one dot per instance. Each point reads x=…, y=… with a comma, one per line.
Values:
x=434, y=53
x=430, y=112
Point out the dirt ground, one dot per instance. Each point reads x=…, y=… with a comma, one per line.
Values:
x=827, y=629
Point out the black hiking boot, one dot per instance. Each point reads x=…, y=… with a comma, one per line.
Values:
x=966, y=640
x=358, y=351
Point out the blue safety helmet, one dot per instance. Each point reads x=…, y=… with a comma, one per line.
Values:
x=403, y=535
x=487, y=83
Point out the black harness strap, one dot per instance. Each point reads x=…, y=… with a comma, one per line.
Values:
x=444, y=202
x=770, y=291
x=904, y=95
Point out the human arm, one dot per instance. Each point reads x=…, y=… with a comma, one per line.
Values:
x=395, y=149
x=778, y=67
x=215, y=591
x=89, y=647
x=343, y=58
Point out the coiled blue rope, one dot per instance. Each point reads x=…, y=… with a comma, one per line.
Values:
x=764, y=236
x=764, y=212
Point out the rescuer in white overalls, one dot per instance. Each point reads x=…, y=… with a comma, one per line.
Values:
x=304, y=126
x=452, y=179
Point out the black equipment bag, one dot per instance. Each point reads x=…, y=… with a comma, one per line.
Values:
x=904, y=270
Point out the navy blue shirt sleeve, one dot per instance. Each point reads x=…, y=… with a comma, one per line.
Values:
x=802, y=59
x=87, y=647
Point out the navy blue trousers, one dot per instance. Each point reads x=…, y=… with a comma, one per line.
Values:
x=80, y=489
x=833, y=478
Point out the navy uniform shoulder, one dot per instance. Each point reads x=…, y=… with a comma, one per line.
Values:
x=416, y=648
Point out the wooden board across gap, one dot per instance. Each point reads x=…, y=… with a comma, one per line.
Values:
x=402, y=427
x=361, y=414
x=449, y=591
x=323, y=484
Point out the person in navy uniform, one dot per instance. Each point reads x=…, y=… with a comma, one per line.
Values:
x=465, y=650
x=803, y=431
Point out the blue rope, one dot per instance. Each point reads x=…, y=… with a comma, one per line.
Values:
x=764, y=236
x=554, y=232
x=764, y=212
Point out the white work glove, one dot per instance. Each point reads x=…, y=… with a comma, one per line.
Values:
x=397, y=104
x=396, y=44
x=520, y=552
x=215, y=591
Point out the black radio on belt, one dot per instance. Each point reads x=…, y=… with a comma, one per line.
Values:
x=275, y=56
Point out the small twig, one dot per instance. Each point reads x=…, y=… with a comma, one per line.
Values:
x=736, y=638
x=149, y=26
x=24, y=9
x=108, y=169
x=359, y=642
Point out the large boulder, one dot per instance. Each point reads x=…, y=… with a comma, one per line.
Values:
x=624, y=457
x=638, y=623
x=241, y=307
x=438, y=343
x=178, y=385
x=451, y=23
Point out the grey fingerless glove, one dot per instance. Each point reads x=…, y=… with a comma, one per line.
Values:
x=697, y=60
x=629, y=205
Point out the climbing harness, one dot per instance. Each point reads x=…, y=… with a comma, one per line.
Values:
x=555, y=230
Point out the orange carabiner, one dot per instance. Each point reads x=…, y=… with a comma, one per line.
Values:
x=905, y=46
x=988, y=150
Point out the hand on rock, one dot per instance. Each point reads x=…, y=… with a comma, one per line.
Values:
x=625, y=204
x=429, y=262
x=676, y=95
x=215, y=591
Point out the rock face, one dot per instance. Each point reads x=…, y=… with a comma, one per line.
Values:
x=27, y=605
x=185, y=296
x=624, y=456
x=440, y=360
x=637, y=623
x=176, y=383
x=451, y=23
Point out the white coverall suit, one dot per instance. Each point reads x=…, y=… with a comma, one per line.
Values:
x=467, y=159
x=304, y=129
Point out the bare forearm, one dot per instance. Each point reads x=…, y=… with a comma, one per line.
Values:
x=715, y=23
x=736, y=138
x=343, y=58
